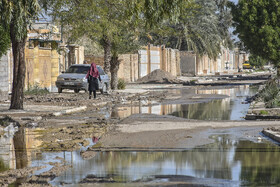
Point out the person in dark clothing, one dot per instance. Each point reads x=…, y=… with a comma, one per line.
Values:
x=92, y=77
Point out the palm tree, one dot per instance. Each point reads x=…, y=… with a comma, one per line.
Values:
x=200, y=28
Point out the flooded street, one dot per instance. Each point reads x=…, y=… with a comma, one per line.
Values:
x=237, y=156
x=229, y=161
x=234, y=107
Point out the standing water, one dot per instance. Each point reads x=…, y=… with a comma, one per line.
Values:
x=226, y=162
x=233, y=107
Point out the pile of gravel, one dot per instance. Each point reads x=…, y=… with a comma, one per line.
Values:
x=159, y=76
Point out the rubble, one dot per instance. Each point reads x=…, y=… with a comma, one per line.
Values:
x=159, y=76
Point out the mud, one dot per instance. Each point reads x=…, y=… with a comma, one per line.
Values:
x=10, y=176
x=81, y=99
x=165, y=132
x=69, y=138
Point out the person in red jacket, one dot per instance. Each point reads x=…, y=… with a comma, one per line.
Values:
x=92, y=77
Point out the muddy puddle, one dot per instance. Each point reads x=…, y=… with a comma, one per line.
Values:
x=231, y=160
x=234, y=107
x=227, y=161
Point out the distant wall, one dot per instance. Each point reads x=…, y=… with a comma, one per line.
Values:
x=158, y=57
x=148, y=59
x=228, y=61
x=99, y=60
x=42, y=66
x=4, y=77
x=188, y=63
x=128, y=69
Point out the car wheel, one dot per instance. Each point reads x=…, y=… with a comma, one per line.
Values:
x=76, y=90
x=59, y=90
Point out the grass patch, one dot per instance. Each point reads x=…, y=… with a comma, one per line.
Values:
x=263, y=112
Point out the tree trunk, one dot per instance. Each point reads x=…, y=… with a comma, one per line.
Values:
x=20, y=149
x=107, y=57
x=114, y=72
x=18, y=72
x=107, y=54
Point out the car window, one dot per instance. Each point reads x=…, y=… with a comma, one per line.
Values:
x=100, y=70
x=78, y=69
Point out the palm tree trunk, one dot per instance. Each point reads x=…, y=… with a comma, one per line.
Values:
x=107, y=54
x=114, y=71
x=18, y=72
x=20, y=149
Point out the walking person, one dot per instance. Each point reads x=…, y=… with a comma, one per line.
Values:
x=92, y=77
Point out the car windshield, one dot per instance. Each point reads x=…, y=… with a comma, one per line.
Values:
x=78, y=69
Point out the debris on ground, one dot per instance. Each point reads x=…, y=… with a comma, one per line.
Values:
x=10, y=176
x=7, y=121
x=159, y=76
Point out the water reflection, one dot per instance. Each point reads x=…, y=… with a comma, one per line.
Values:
x=232, y=108
x=243, y=162
x=3, y=165
x=17, y=149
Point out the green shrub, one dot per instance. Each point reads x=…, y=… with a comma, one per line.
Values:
x=36, y=90
x=121, y=84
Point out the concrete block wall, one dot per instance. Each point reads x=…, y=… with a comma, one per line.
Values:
x=4, y=77
x=159, y=57
x=188, y=63
x=128, y=69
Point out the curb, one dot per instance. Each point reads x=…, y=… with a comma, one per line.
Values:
x=68, y=111
x=272, y=134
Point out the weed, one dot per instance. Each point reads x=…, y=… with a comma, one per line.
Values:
x=121, y=84
x=192, y=82
x=36, y=90
x=271, y=94
x=263, y=112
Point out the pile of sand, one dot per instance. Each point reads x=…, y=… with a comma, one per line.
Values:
x=159, y=76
